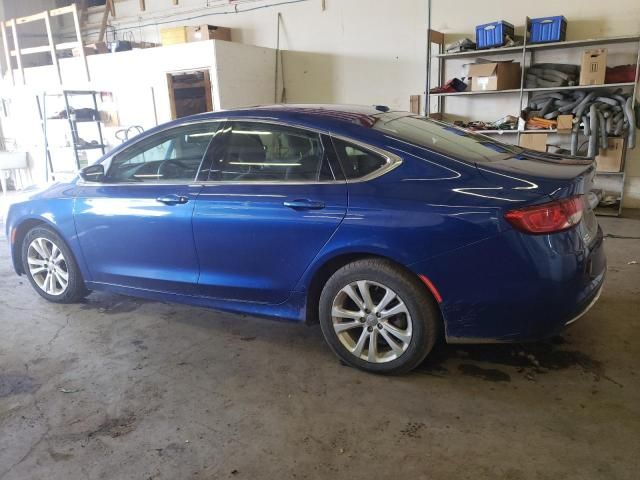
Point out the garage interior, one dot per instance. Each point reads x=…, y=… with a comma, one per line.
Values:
x=118, y=387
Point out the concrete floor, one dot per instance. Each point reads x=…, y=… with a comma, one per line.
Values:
x=128, y=389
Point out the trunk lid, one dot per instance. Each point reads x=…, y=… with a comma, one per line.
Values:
x=551, y=177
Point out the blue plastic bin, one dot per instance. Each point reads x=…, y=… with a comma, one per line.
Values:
x=548, y=29
x=493, y=34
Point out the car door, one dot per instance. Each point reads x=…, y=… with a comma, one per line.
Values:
x=271, y=203
x=134, y=227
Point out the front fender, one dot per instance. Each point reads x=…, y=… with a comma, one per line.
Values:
x=52, y=207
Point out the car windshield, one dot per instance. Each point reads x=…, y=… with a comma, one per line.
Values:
x=443, y=138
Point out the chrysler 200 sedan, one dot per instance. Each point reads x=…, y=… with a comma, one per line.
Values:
x=387, y=228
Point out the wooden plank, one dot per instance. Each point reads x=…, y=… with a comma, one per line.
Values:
x=111, y=5
x=437, y=37
x=76, y=24
x=30, y=18
x=143, y=6
x=66, y=45
x=6, y=52
x=84, y=14
x=172, y=97
x=30, y=50
x=414, y=102
x=52, y=47
x=16, y=45
x=207, y=91
x=62, y=10
x=103, y=24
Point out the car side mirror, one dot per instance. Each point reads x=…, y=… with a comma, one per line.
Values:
x=93, y=173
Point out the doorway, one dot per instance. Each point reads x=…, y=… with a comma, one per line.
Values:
x=189, y=93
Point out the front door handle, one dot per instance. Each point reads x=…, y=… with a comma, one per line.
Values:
x=172, y=199
x=304, y=204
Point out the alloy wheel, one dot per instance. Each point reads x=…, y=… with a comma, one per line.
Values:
x=47, y=266
x=371, y=321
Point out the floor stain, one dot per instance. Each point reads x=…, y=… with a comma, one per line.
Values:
x=139, y=344
x=115, y=427
x=412, y=430
x=528, y=359
x=113, y=304
x=58, y=457
x=490, y=374
x=16, y=384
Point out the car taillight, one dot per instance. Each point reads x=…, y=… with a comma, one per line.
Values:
x=548, y=217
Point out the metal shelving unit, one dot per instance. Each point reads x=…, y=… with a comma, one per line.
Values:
x=77, y=143
x=526, y=52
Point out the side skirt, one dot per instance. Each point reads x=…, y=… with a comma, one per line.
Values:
x=293, y=310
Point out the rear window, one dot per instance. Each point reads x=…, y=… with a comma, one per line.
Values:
x=445, y=139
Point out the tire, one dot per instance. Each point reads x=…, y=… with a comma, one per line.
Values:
x=39, y=247
x=416, y=322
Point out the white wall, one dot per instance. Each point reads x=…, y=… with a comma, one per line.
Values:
x=354, y=51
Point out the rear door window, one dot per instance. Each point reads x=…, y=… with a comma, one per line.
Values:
x=262, y=152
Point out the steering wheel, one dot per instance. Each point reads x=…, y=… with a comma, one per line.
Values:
x=175, y=163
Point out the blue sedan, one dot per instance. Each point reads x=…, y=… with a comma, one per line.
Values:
x=389, y=229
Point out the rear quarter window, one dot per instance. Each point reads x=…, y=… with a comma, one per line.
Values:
x=358, y=162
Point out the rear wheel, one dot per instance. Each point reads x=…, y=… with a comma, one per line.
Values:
x=51, y=267
x=377, y=317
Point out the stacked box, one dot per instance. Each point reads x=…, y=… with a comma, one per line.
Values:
x=493, y=34
x=547, y=29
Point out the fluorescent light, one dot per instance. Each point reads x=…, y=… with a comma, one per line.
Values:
x=266, y=164
x=205, y=134
x=251, y=132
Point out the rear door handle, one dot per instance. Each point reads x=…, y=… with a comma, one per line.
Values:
x=304, y=204
x=172, y=199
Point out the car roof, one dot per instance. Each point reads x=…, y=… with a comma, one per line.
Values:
x=321, y=116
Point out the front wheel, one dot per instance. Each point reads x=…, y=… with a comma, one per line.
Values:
x=51, y=267
x=378, y=317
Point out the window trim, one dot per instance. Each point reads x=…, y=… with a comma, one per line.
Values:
x=389, y=165
x=393, y=160
x=152, y=140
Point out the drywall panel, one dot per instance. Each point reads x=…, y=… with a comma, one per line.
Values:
x=245, y=75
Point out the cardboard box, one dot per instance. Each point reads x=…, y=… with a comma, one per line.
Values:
x=171, y=36
x=534, y=141
x=565, y=123
x=88, y=50
x=110, y=118
x=99, y=47
x=593, y=67
x=610, y=160
x=208, y=32
x=143, y=45
x=494, y=76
